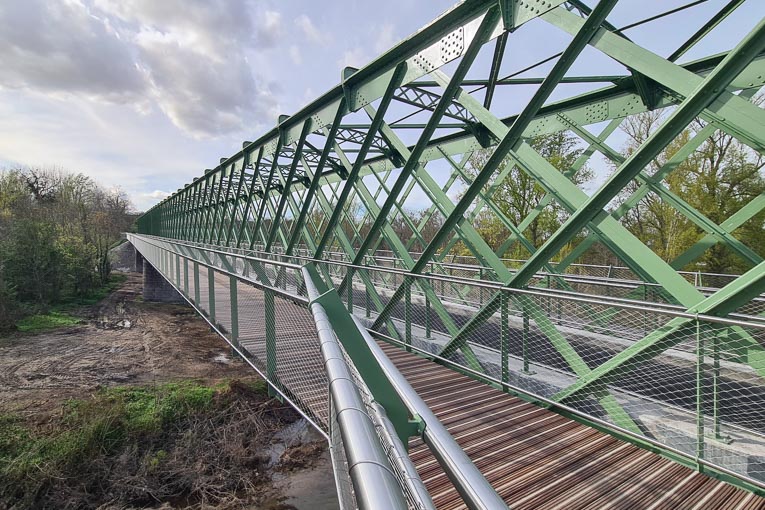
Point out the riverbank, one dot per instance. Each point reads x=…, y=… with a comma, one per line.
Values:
x=141, y=405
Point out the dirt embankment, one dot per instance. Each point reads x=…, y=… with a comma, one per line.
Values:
x=242, y=450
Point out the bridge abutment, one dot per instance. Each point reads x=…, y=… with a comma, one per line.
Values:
x=156, y=288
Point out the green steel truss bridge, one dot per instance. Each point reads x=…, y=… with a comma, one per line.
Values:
x=443, y=373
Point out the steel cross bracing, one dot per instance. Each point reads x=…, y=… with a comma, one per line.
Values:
x=336, y=181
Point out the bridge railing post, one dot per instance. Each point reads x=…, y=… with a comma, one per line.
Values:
x=350, y=289
x=234, y=305
x=699, y=390
x=504, y=337
x=428, y=326
x=269, y=313
x=408, y=315
x=525, y=342
x=177, y=270
x=196, y=284
x=211, y=293
x=186, y=276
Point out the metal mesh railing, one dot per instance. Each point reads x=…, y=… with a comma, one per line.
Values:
x=259, y=308
x=692, y=385
x=696, y=387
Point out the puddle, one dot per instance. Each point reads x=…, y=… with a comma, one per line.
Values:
x=312, y=488
x=222, y=358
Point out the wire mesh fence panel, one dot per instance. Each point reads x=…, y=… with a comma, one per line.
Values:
x=297, y=357
x=623, y=357
x=252, y=324
x=277, y=334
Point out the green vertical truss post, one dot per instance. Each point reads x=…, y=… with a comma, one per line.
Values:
x=234, y=303
x=408, y=318
x=211, y=293
x=504, y=336
x=699, y=390
x=525, y=343
x=269, y=313
x=186, y=276
x=367, y=303
x=428, y=319
x=350, y=289
x=197, y=301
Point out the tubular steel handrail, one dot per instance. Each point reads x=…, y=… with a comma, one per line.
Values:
x=374, y=483
x=467, y=479
x=623, y=303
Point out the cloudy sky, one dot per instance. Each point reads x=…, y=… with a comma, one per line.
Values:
x=145, y=94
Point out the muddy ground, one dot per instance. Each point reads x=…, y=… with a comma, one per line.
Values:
x=125, y=341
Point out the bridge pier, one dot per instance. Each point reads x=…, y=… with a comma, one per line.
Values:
x=155, y=287
x=138, y=261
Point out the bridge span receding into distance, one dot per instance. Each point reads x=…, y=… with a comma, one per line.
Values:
x=454, y=365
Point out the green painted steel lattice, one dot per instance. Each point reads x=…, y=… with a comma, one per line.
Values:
x=331, y=183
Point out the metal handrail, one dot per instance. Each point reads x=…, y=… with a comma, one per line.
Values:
x=467, y=479
x=374, y=483
x=476, y=491
x=627, y=304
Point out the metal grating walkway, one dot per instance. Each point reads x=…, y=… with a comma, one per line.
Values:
x=537, y=459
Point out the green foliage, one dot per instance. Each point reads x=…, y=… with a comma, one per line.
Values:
x=518, y=193
x=99, y=425
x=55, y=233
x=716, y=180
x=42, y=322
x=8, y=305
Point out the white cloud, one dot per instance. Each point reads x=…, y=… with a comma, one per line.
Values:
x=295, y=55
x=354, y=58
x=386, y=38
x=310, y=30
x=156, y=194
x=86, y=57
x=188, y=60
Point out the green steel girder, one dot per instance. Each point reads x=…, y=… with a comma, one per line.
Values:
x=316, y=177
x=287, y=183
x=413, y=157
x=705, y=95
x=301, y=205
x=395, y=81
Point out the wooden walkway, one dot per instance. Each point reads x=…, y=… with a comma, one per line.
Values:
x=536, y=459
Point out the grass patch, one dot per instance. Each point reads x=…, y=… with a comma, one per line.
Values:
x=175, y=438
x=59, y=315
x=115, y=281
x=42, y=322
x=98, y=426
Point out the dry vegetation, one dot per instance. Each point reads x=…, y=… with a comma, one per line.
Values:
x=138, y=405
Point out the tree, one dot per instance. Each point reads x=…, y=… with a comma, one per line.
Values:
x=717, y=180
x=56, y=229
x=519, y=193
